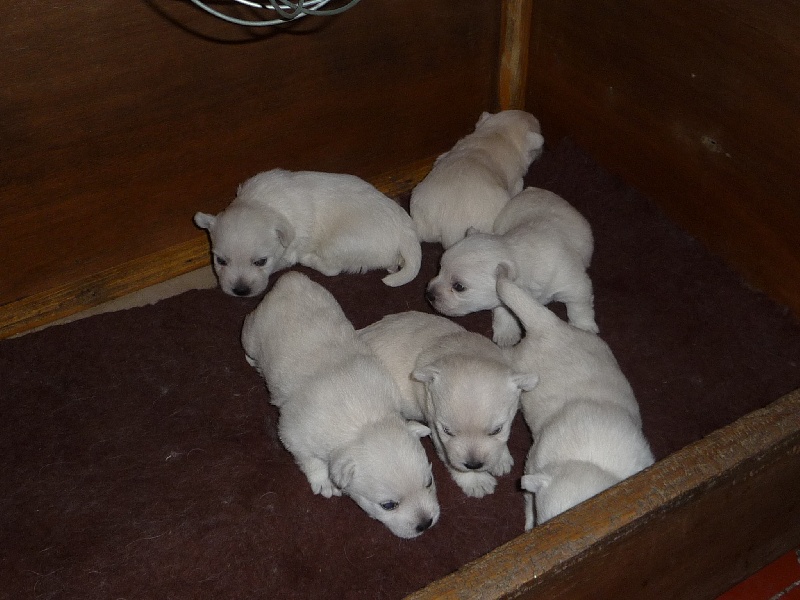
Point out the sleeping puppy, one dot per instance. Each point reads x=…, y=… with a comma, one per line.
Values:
x=461, y=385
x=470, y=184
x=339, y=407
x=330, y=222
x=542, y=242
x=583, y=414
x=586, y=447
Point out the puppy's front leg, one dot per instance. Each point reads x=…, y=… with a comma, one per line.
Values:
x=505, y=328
x=475, y=484
x=316, y=471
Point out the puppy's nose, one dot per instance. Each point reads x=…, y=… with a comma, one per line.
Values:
x=423, y=525
x=473, y=465
x=241, y=290
x=430, y=296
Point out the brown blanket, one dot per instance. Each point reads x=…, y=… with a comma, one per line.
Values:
x=139, y=455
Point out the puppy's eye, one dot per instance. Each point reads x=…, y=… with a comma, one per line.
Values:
x=429, y=483
x=458, y=287
x=496, y=430
x=446, y=430
x=220, y=261
x=260, y=262
x=389, y=505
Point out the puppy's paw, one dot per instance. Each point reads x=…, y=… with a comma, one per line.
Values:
x=325, y=488
x=506, y=338
x=475, y=485
x=503, y=465
x=587, y=325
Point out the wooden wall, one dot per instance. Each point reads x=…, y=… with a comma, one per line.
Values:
x=121, y=119
x=695, y=102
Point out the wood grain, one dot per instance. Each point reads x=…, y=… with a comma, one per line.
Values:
x=121, y=120
x=695, y=103
x=515, y=37
x=690, y=526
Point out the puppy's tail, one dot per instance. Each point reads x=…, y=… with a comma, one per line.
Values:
x=411, y=255
x=533, y=316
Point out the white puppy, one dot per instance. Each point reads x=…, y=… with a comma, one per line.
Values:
x=330, y=222
x=542, y=243
x=583, y=414
x=339, y=407
x=459, y=383
x=470, y=184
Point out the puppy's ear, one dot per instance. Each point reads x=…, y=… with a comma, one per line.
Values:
x=525, y=381
x=484, y=115
x=341, y=469
x=535, y=482
x=425, y=374
x=284, y=231
x=535, y=143
x=418, y=429
x=204, y=221
x=506, y=270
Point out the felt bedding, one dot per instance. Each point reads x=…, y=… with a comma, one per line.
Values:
x=139, y=456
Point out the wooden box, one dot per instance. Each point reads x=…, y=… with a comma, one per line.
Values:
x=121, y=119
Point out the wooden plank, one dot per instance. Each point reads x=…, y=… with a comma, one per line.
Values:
x=515, y=36
x=691, y=526
x=85, y=292
x=697, y=103
x=120, y=120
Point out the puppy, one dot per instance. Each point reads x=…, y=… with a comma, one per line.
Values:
x=470, y=184
x=541, y=242
x=583, y=414
x=339, y=407
x=461, y=385
x=330, y=222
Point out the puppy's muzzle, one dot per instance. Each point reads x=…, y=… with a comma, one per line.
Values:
x=241, y=289
x=430, y=296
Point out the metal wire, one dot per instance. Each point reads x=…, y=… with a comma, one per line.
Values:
x=286, y=10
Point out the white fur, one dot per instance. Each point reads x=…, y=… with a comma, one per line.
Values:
x=470, y=184
x=330, y=222
x=459, y=383
x=583, y=414
x=339, y=407
x=542, y=243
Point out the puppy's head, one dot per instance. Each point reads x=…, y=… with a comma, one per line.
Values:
x=559, y=487
x=388, y=475
x=247, y=245
x=471, y=404
x=521, y=128
x=467, y=276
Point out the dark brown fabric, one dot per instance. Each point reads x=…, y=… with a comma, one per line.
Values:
x=139, y=456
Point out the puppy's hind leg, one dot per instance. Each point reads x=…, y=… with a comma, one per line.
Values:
x=316, y=471
x=505, y=328
x=580, y=305
x=528, y=511
x=319, y=264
